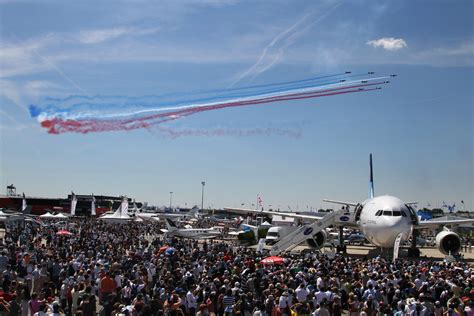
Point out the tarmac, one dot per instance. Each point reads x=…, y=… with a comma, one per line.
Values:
x=369, y=251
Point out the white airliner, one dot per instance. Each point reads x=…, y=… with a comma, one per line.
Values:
x=194, y=233
x=191, y=214
x=382, y=219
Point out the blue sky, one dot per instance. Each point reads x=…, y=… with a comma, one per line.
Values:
x=419, y=128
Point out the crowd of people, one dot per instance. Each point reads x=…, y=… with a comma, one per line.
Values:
x=131, y=269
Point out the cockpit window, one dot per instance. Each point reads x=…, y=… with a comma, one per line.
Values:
x=403, y=213
x=379, y=212
x=397, y=213
x=387, y=213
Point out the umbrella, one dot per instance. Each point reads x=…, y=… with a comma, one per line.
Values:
x=64, y=232
x=170, y=251
x=163, y=249
x=272, y=260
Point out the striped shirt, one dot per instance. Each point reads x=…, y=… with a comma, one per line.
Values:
x=228, y=301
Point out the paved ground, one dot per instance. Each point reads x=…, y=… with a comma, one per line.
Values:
x=430, y=253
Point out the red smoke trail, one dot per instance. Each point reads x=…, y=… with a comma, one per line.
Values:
x=59, y=126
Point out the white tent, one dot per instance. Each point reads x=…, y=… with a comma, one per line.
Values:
x=47, y=215
x=120, y=215
x=60, y=216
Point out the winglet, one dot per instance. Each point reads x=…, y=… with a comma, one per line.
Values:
x=170, y=225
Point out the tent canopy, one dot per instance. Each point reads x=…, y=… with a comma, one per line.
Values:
x=47, y=215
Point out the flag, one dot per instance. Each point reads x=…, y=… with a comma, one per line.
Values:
x=93, y=205
x=259, y=201
x=73, y=204
x=396, y=247
x=451, y=208
x=23, y=204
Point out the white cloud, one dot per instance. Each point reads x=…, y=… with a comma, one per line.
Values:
x=99, y=36
x=389, y=43
x=102, y=35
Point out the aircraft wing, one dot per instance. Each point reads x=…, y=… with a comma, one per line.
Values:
x=436, y=223
x=283, y=214
x=241, y=210
x=208, y=236
x=341, y=202
x=236, y=233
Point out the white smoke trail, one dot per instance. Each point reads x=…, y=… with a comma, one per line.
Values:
x=129, y=113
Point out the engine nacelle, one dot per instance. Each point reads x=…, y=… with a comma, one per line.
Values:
x=448, y=242
x=318, y=240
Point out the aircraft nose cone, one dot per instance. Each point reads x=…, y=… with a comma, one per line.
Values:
x=389, y=232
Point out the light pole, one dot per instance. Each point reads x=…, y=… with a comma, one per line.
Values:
x=171, y=198
x=203, y=183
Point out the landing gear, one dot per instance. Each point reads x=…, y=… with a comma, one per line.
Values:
x=341, y=247
x=413, y=251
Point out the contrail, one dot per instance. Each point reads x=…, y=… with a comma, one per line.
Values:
x=286, y=36
x=272, y=43
x=52, y=65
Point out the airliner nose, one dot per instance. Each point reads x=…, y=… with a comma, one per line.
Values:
x=392, y=224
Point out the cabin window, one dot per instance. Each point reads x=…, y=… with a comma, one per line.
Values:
x=379, y=212
x=397, y=213
x=387, y=213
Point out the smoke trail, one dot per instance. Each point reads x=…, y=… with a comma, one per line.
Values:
x=84, y=114
x=58, y=126
x=219, y=132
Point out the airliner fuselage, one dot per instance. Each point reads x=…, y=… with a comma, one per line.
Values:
x=383, y=218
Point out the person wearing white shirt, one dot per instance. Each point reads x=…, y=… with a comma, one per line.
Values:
x=191, y=302
x=301, y=293
x=118, y=280
x=283, y=303
x=319, y=296
x=320, y=283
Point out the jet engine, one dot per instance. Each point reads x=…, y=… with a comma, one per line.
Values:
x=448, y=242
x=318, y=240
